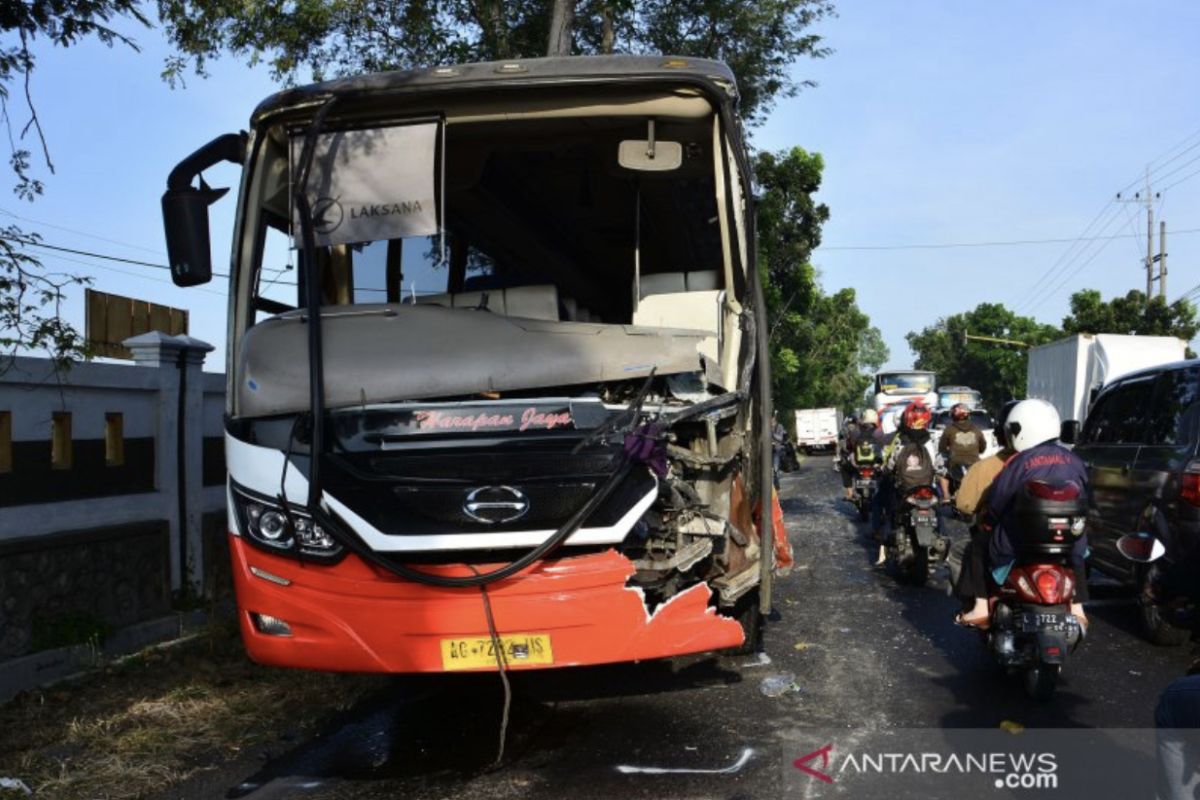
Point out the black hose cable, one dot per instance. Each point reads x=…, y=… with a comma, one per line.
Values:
x=502, y=668
x=577, y=519
x=624, y=421
x=316, y=364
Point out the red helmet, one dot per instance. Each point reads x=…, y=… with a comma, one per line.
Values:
x=916, y=417
x=960, y=411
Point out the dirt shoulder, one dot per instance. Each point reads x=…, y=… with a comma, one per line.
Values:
x=163, y=717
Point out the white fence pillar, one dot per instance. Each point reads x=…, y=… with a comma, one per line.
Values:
x=179, y=444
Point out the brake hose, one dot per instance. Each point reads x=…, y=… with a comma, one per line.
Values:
x=577, y=519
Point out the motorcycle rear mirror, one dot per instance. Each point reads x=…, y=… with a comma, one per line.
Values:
x=1141, y=547
x=1070, y=431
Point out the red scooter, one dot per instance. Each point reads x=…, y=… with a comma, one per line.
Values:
x=1032, y=629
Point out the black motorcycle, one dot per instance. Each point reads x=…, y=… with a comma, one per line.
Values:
x=866, y=484
x=1032, y=629
x=916, y=544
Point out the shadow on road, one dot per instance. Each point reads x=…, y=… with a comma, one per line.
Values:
x=447, y=727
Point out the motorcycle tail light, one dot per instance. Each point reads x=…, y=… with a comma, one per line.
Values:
x=1050, y=585
x=924, y=493
x=1189, y=488
x=1024, y=587
x=1054, y=491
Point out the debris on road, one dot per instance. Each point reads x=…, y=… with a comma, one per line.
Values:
x=16, y=784
x=735, y=767
x=779, y=684
x=760, y=660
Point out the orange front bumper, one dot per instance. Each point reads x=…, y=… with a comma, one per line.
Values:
x=354, y=617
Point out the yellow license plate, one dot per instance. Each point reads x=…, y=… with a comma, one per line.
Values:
x=475, y=652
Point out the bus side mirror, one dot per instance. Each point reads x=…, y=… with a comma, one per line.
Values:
x=1070, y=431
x=185, y=220
x=185, y=208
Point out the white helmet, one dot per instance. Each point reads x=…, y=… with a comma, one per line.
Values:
x=1030, y=423
x=870, y=417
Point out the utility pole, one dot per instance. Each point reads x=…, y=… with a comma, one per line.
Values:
x=1162, y=259
x=1147, y=197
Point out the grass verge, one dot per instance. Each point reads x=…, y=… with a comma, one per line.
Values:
x=160, y=717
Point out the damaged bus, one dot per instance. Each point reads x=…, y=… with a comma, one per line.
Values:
x=497, y=373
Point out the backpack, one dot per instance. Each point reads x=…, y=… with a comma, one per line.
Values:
x=964, y=444
x=865, y=452
x=914, y=467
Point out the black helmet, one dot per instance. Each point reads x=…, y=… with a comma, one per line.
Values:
x=1001, y=420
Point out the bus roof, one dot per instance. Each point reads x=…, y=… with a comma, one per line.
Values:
x=514, y=73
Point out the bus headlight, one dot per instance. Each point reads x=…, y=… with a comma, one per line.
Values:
x=267, y=524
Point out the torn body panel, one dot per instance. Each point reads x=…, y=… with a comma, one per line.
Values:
x=356, y=618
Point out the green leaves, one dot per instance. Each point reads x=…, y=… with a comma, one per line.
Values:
x=1130, y=314
x=759, y=40
x=820, y=344
x=996, y=370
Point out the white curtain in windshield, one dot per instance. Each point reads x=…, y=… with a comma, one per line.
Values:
x=373, y=184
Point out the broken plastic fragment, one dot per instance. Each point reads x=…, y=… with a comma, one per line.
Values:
x=15, y=784
x=779, y=684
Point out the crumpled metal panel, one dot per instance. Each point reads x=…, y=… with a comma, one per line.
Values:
x=354, y=617
x=389, y=353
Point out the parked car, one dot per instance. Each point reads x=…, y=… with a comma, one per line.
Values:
x=1141, y=443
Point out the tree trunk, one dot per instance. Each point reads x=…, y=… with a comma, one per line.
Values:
x=490, y=16
x=562, y=23
x=608, y=35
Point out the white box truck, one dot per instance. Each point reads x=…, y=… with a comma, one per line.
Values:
x=1068, y=373
x=817, y=429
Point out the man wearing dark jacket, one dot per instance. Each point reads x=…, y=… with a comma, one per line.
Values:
x=962, y=443
x=1033, y=432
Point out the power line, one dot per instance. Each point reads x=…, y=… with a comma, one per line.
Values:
x=77, y=232
x=90, y=254
x=1189, y=176
x=139, y=275
x=1004, y=243
x=1067, y=255
x=1073, y=265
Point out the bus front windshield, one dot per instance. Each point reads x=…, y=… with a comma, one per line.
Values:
x=904, y=383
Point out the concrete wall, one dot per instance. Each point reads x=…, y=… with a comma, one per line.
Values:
x=99, y=543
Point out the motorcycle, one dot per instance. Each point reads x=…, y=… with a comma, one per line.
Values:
x=865, y=485
x=916, y=545
x=1032, y=629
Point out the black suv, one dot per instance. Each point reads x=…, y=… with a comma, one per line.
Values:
x=1141, y=443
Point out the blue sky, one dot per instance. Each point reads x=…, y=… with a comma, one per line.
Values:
x=940, y=122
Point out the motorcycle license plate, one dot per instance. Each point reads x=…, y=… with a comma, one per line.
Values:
x=864, y=485
x=1037, y=620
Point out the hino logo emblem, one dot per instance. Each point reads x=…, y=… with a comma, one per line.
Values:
x=495, y=504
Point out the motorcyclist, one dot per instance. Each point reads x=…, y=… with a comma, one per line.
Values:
x=971, y=500
x=845, y=445
x=914, y=429
x=962, y=443
x=864, y=447
x=779, y=441
x=1032, y=429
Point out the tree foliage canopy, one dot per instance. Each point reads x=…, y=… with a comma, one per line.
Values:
x=820, y=344
x=1130, y=314
x=996, y=370
x=759, y=40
